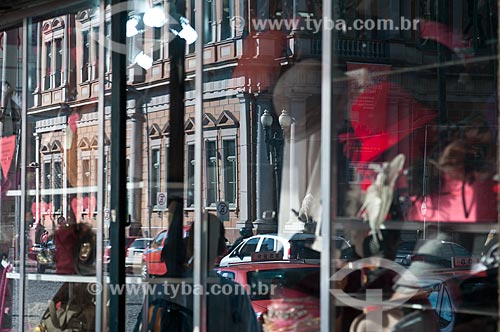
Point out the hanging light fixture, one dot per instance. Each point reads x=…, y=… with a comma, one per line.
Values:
x=143, y=60
x=154, y=17
x=132, y=27
x=187, y=32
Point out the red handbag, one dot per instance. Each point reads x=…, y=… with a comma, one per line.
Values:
x=65, y=240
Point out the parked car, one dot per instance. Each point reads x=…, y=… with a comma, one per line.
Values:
x=133, y=260
x=151, y=258
x=297, y=247
x=272, y=281
x=462, y=301
x=439, y=253
x=443, y=298
x=107, y=248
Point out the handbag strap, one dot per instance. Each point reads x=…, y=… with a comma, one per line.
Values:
x=55, y=318
x=152, y=322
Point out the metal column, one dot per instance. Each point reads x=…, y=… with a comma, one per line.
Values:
x=117, y=312
x=24, y=139
x=101, y=181
x=200, y=231
x=327, y=144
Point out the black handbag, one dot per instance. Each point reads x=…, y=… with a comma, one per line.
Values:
x=85, y=253
x=164, y=315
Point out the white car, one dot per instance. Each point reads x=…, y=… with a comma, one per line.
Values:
x=133, y=260
x=297, y=247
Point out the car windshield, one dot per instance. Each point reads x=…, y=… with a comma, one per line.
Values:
x=303, y=280
x=140, y=244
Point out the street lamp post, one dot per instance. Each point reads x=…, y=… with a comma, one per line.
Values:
x=274, y=143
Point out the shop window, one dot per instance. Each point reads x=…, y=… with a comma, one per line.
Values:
x=211, y=173
x=229, y=175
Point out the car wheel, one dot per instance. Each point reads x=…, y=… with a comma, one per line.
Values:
x=144, y=272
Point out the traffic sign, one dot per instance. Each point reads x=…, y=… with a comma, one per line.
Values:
x=223, y=211
x=161, y=201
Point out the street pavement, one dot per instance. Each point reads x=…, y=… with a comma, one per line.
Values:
x=38, y=293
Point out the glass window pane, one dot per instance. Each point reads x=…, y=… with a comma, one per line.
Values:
x=155, y=174
x=212, y=173
x=190, y=176
x=230, y=175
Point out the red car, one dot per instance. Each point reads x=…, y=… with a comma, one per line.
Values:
x=271, y=282
x=151, y=258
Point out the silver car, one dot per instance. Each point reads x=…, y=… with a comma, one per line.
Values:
x=133, y=261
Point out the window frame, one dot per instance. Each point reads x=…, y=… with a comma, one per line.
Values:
x=155, y=146
x=189, y=177
x=211, y=139
x=228, y=135
x=226, y=31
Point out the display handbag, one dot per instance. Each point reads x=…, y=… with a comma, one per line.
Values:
x=85, y=253
x=65, y=239
x=164, y=315
x=75, y=249
x=71, y=309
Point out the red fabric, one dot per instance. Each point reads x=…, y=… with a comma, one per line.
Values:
x=442, y=34
x=65, y=240
x=382, y=116
x=480, y=204
x=73, y=118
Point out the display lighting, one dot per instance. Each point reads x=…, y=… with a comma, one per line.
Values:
x=187, y=32
x=143, y=60
x=132, y=27
x=154, y=17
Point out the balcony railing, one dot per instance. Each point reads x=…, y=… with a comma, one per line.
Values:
x=348, y=48
x=361, y=49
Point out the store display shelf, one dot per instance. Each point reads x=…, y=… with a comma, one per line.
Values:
x=342, y=223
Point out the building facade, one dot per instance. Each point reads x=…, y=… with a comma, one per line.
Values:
x=373, y=124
